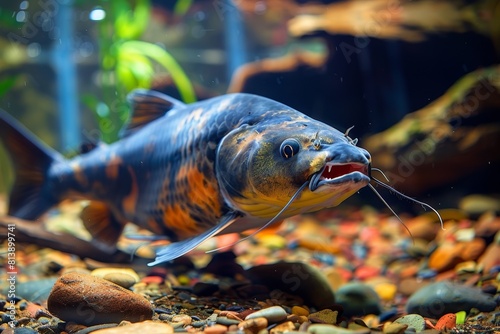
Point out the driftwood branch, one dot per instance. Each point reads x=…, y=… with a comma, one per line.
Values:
x=449, y=139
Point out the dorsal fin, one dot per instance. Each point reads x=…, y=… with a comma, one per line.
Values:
x=147, y=106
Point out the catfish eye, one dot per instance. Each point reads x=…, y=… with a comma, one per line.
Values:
x=289, y=147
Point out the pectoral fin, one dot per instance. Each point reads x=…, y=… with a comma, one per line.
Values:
x=176, y=249
x=101, y=223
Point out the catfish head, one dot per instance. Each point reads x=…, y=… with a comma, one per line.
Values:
x=262, y=166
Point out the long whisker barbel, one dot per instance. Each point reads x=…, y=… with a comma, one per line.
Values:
x=389, y=207
x=388, y=187
x=381, y=172
x=274, y=219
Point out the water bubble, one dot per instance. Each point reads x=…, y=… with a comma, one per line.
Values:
x=21, y=16
x=97, y=14
x=34, y=50
x=102, y=110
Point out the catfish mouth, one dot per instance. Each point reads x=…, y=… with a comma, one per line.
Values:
x=338, y=173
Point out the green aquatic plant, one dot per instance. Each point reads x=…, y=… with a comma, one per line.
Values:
x=128, y=63
x=5, y=168
x=7, y=83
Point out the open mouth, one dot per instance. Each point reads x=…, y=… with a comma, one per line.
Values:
x=335, y=173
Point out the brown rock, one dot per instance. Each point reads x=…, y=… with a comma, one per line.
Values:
x=254, y=324
x=325, y=316
x=90, y=300
x=490, y=258
x=410, y=285
x=473, y=249
x=283, y=328
x=446, y=257
x=215, y=329
x=423, y=227
x=487, y=225
x=183, y=319
x=300, y=311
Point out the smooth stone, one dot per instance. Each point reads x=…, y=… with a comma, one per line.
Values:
x=297, y=279
x=215, y=329
x=466, y=267
x=415, y=321
x=121, y=279
x=331, y=329
x=272, y=241
x=273, y=314
x=473, y=249
x=437, y=299
x=445, y=257
x=300, y=311
x=465, y=234
x=394, y=328
x=386, y=291
x=139, y=327
x=426, y=274
x=423, y=227
x=370, y=321
x=487, y=225
x=490, y=257
x=226, y=321
x=325, y=316
x=476, y=204
x=254, y=324
x=90, y=300
x=334, y=278
x=184, y=319
x=389, y=314
x=283, y=328
x=101, y=272
x=358, y=299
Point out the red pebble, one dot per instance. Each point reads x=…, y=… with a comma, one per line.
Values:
x=365, y=272
x=368, y=234
x=152, y=280
x=447, y=321
x=344, y=273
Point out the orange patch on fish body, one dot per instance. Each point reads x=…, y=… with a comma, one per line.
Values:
x=203, y=193
x=180, y=221
x=130, y=201
x=79, y=174
x=112, y=166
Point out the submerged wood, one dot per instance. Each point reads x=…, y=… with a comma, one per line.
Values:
x=455, y=136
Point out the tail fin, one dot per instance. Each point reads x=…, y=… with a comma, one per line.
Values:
x=30, y=196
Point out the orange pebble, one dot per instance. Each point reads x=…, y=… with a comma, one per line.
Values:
x=473, y=249
x=446, y=257
x=447, y=321
x=215, y=329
